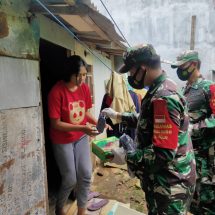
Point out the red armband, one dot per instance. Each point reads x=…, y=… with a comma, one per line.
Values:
x=212, y=99
x=165, y=132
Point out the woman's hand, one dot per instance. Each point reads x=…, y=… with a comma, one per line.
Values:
x=90, y=130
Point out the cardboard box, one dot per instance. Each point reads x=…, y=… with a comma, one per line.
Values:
x=102, y=148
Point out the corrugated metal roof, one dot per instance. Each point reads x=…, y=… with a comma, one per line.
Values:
x=83, y=18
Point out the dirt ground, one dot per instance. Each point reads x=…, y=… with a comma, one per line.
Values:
x=115, y=183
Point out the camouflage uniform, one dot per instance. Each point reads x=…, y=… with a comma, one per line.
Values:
x=200, y=97
x=201, y=104
x=164, y=160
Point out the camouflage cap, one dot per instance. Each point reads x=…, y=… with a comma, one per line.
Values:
x=136, y=55
x=184, y=57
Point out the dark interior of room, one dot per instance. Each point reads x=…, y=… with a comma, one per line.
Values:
x=52, y=58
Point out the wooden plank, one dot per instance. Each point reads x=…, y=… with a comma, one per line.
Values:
x=95, y=27
x=77, y=22
x=89, y=35
x=85, y=39
x=103, y=27
x=193, y=31
x=105, y=24
x=109, y=50
x=60, y=9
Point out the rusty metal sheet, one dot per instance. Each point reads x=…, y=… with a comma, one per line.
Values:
x=19, y=84
x=19, y=30
x=22, y=162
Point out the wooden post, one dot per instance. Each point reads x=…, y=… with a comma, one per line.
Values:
x=193, y=31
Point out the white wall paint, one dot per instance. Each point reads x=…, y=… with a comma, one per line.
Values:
x=167, y=25
x=101, y=73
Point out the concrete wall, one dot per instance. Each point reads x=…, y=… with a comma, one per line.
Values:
x=167, y=25
x=23, y=188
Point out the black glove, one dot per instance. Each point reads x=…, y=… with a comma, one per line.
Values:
x=127, y=143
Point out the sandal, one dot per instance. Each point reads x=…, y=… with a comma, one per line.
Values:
x=98, y=205
x=92, y=195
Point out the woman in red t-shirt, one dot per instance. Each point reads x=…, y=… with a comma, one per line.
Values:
x=68, y=102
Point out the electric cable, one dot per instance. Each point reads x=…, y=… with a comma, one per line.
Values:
x=115, y=23
x=70, y=32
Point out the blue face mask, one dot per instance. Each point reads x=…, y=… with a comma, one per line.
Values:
x=185, y=73
x=135, y=83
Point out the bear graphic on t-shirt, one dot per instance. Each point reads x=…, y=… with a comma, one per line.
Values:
x=77, y=111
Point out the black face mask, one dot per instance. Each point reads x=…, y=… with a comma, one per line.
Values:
x=134, y=83
x=185, y=73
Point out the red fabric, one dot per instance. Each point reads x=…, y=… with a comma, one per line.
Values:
x=70, y=107
x=165, y=133
x=212, y=99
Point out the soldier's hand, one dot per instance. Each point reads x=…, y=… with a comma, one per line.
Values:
x=109, y=112
x=190, y=129
x=119, y=156
x=127, y=143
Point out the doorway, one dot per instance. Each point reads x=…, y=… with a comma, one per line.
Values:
x=52, y=58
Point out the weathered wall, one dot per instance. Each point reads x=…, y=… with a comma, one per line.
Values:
x=47, y=27
x=23, y=188
x=167, y=25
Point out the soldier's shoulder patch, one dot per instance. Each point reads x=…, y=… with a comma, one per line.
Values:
x=212, y=98
x=165, y=132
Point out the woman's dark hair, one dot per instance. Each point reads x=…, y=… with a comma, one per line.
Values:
x=72, y=66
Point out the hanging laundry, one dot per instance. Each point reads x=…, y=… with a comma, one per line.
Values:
x=117, y=90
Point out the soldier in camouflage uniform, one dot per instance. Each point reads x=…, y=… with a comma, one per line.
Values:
x=163, y=157
x=200, y=95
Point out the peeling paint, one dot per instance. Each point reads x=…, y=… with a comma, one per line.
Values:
x=40, y=204
x=7, y=165
x=22, y=173
x=4, y=30
x=19, y=37
x=30, y=154
x=1, y=189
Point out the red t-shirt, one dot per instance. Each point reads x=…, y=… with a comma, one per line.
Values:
x=70, y=107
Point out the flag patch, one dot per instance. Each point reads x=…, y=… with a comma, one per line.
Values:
x=160, y=118
x=165, y=131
